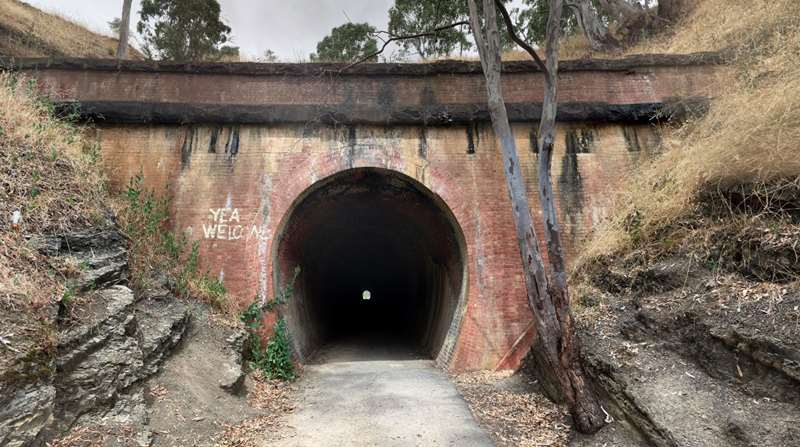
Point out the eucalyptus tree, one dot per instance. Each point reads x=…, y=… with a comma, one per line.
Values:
x=556, y=350
x=183, y=30
x=415, y=17
x=346, y=43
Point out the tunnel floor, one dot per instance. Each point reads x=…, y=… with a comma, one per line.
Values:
x=368, y=347
x=381, y=268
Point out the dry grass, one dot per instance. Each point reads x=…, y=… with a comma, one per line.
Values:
x=28, y=32
x=49, y=175
x=750, y=135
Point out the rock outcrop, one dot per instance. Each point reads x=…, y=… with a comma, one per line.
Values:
x=100, y=361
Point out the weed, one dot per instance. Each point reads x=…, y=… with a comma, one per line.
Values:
x=157, y=249
x=212, y=290
x=711, y=264
x=274, y=360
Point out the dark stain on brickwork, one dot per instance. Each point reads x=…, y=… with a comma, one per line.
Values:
x=427, y=95
x=310, y=130
x=470, y=140
x=631, y=135
x=580, y=141
x=212, y=142
x=386, y=94
x=348, y=95
x=232, y=146
x=423, y=143
x=570, y=183
x=187, y=147
x=352, y=140
x=533, y=137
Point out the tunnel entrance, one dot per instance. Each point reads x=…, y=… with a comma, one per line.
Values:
x=382, y=266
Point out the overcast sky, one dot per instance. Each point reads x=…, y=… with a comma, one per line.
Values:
x=289, y=28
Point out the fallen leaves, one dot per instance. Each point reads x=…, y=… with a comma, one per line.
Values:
x=272, y=396
x=513, y=413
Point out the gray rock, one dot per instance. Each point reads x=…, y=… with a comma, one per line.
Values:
x=100, y=253
x=162, y=324
x=232, y=379
x=101, y=362
x=97, y=359
x=25, y=413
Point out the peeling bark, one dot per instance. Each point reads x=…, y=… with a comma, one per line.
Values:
x=556, y=350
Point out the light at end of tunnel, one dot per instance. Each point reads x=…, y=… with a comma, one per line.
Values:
x=366, y=295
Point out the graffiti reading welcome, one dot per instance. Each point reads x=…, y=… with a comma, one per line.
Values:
x=225, y=224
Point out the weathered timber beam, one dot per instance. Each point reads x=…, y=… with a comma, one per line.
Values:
x=630, y=63
x=114, y=112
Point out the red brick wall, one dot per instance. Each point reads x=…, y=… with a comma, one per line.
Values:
x=205, y=171
x=275, y=164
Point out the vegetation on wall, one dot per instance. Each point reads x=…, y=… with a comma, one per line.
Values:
x=157, y=251
x=275, y=359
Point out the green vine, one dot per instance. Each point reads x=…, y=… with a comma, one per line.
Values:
x=275, y=359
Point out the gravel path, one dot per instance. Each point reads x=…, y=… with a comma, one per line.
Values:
x=380, y=403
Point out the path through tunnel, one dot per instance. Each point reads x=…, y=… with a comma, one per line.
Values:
x=382, y=267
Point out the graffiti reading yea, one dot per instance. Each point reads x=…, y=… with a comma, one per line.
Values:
x=224, y=224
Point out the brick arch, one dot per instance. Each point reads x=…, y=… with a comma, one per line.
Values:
x=309, y=173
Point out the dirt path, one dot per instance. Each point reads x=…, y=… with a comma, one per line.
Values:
x=380, y=403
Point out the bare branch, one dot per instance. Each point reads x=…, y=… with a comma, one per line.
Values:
x=391, y=39
x=516, y=38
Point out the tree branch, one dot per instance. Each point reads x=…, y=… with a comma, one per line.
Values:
x=516, y=38
x=391, y=39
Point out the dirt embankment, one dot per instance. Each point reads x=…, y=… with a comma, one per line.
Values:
x=688, y=297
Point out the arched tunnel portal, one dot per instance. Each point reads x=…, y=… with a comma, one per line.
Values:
x=377, y=231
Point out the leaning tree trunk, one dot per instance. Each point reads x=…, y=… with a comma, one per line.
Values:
x=572, y=381
x=124, y=30
x=555, y=351
x=593, y=27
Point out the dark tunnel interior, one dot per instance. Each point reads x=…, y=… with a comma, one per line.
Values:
x=375, y=231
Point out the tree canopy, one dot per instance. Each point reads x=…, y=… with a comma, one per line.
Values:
x=347, y=43
x=410, y=17
x=183, y=30
x=531, y=21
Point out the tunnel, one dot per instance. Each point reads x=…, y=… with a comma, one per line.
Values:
x=381, y=262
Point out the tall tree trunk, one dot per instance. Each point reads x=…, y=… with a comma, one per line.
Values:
x=573, y=384
x=124, y=30
x=556, y=351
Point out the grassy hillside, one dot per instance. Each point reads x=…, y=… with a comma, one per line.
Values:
x=49, y=174
x=740, y=158
x=28, y=32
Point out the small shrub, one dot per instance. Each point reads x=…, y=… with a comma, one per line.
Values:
x=274, y=360
x=157, y=249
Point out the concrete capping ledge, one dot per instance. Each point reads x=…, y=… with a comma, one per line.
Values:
x=116, y=112
x=445, y=67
